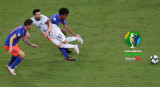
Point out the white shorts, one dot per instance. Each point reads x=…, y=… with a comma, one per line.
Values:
x=56, y=36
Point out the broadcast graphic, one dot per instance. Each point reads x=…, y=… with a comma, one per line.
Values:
x=132, y=39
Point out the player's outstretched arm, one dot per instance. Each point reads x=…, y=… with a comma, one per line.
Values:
x=29, y=43
x=69, y=30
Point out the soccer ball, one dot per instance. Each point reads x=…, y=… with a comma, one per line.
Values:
x=154, y=59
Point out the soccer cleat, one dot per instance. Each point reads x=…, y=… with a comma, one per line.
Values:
x=69, y=59
x=12, y=71
x=7, y=67
x=80, y=39
x=68, y=51
x=76, y=49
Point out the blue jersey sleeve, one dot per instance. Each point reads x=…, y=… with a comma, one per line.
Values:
x=63, y=22
x=19, y=34
x=54, y=19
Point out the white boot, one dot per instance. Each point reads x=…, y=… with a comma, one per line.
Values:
x=80, y=39
x=12, y=71
x=76, y=49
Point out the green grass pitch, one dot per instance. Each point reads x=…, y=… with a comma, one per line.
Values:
x=102, y=24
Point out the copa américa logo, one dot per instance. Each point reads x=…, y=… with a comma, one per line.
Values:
x=132, y=39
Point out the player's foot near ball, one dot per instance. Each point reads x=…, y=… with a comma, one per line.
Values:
x=76, y=49
x=68, y=51
x=69, y=59
x=80, y=39
x=12, y=71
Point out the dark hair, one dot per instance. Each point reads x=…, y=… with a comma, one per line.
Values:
x=35, y=11
x=28, y=22
x=63, y=11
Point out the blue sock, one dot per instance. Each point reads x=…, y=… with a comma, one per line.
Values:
x=63, y=51
x=11, y=60
x=16, y=62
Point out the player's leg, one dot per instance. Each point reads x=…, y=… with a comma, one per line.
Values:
x=64, y=43
x=16, y=52
x=19, y=58
x=64, y=32
x=13, y=56
x=63, y=51
x=67, y=58
x=69, y=39
x=79, y=39
x=60, y=38
x=11, y=60
x=56, y=42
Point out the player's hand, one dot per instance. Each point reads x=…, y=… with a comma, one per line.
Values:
x=34, y=45
x=46, y=34
x=10, y=49
x=77, y=35
x=74, y=35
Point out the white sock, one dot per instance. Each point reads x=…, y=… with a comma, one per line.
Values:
x=67, y=46
x=70, y=39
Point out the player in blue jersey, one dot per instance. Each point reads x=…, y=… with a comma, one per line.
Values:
x=53, y=33
x=60, y=19
x=11, y=46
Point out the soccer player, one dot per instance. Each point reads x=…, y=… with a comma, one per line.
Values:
x=60, y=19
x=53, y=33
x=11, y=46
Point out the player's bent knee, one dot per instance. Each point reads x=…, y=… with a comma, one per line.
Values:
x=60, y=45
x=65, y=41
x=21, y=54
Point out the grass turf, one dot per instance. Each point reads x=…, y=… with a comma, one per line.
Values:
x=103, y=25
